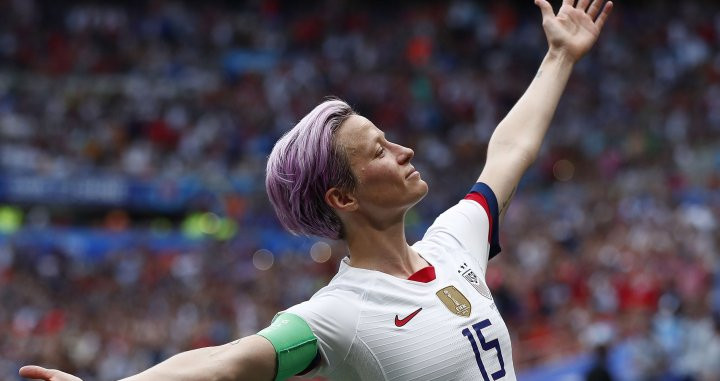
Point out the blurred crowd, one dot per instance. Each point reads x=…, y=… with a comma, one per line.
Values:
x=612, y=239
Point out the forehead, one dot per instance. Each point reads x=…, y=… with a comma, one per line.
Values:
x=357, y=134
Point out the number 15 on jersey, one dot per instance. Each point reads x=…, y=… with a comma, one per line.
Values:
x=486, y=346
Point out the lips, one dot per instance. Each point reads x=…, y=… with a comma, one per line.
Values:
x=411, y=172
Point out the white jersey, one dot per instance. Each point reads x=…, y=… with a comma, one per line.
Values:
x=374, y=326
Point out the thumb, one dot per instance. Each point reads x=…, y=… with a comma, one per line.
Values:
x=545, y=8
x=36, y=372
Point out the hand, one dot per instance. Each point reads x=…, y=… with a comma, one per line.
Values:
x=40, y=373
x=574, y=30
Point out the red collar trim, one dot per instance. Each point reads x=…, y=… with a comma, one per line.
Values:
x=424, y=275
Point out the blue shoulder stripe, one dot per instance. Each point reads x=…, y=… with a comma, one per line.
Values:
x=484, y=190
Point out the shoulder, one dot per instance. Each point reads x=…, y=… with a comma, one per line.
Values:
x=332, y=314
x=469, y=226
x=476, y=212
x=340, y=301
x=331, y=301
x=465, y=226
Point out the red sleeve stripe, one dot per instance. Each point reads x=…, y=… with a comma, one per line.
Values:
x=481, y=200
x=483, y=195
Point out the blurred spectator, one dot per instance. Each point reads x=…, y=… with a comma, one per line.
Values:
x=599, y=370
x=612, y=236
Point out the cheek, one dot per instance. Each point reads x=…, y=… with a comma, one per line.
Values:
x=379, y=184
x=377, y=175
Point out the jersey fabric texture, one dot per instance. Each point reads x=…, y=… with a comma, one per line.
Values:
x=374, y=326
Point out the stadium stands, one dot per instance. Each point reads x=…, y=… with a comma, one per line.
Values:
x=133, y=140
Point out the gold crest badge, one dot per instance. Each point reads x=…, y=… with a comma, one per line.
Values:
x=455, y=301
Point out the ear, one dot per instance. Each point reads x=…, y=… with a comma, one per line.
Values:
x=340, y=200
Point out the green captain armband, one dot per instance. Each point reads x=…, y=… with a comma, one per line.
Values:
x=294, y=343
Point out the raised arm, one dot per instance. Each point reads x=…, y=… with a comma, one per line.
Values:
x=251, y=358
x=516, y=141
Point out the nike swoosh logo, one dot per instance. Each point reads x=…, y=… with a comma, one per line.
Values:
x=401, y=322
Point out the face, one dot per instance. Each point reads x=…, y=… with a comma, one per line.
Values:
x=387, y=182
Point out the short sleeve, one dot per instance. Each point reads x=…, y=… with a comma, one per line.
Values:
x=472, y=223
x=333, y=320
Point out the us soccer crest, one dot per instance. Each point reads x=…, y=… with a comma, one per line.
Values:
x=472, y=278
x=455, y=301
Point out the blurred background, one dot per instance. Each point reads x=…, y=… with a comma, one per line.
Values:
x=134, y=222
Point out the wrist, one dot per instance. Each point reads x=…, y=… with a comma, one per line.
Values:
x=562, y=56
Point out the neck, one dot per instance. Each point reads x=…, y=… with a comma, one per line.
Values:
x=383, y=249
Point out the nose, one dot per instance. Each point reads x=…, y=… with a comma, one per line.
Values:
x=405, y=154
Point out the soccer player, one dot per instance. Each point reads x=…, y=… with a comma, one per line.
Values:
x=393, y=311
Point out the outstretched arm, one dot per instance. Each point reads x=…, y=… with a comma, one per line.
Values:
x=516, y=141
x=251, y=358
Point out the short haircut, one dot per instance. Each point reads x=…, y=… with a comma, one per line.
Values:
x=303, y=165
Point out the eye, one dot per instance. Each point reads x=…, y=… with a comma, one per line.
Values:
x=380, y=152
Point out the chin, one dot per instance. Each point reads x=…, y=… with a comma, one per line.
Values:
x=420, y=192
x=425, y=187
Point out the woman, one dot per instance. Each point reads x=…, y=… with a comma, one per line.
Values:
x=393, y=311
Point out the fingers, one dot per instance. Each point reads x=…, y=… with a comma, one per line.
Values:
x=40, y=373
x=600, y=22
x=545, y=8
x=36, y=372
x=594, y=8
x=568, y=2
x=582, y=5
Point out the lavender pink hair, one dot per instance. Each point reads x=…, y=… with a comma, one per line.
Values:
x=303, y=165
